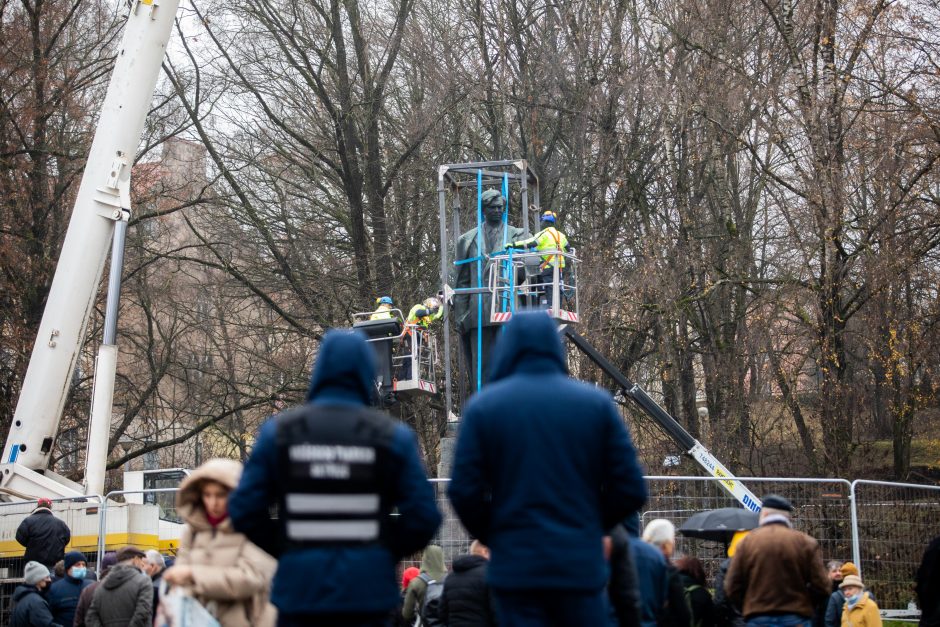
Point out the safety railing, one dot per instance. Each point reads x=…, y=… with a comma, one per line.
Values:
x=545, y=279
x=415, y=366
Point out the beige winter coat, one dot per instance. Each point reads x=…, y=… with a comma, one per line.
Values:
x=231, y=575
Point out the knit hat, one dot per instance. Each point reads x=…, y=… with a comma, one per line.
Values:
x=849, y=569
x=72, y=558
x=34, y=573
x=852, y=580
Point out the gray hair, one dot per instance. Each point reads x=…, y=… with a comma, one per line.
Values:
x=155, y=558
x=660, y=531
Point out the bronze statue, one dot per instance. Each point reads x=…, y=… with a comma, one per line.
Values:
x=464, y=311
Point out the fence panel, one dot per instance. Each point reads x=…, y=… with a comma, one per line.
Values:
x=822, y=508
x=893, y=522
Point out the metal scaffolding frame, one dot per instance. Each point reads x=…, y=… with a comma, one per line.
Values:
x=451, y=179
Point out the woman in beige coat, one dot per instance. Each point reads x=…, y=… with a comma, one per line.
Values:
x=228, y=574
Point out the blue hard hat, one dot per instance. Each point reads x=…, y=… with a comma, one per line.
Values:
x=384, y=300
x=548, y=216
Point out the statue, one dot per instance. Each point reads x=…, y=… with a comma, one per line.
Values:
x=495, y=239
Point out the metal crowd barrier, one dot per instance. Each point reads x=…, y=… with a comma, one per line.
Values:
x=883, y=527
x=892, y=523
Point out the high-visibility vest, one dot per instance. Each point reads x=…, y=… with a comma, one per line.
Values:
x=382, y=312
x=547, y=239
x=424, y=321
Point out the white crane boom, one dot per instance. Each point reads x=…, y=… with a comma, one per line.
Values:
x=103, y=201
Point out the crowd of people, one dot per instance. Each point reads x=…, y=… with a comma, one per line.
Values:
x=545, y=479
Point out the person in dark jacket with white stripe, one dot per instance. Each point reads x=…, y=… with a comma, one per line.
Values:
x=337, y=470
x=466, y=600
x=544, y=469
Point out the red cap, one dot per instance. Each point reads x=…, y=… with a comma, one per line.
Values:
x=410, y=573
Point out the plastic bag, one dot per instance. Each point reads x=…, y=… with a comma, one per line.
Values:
x=178, y=608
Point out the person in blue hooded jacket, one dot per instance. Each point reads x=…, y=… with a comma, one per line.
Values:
x=336, y=469
x=544, y=468
x=653, y=575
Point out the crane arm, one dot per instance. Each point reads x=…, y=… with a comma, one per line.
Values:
x=103, y=200
x=695, y=449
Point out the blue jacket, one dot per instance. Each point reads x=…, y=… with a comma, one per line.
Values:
x=63, y=598
x=544, y=466
x=344, y=578
x=652, y=572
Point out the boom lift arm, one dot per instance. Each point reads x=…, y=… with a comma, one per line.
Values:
x=102, y=208
x=695, y=449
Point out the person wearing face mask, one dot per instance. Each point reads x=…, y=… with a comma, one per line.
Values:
x=30, y=609
x=222, y=568
x=860, y=610
x=65, y=592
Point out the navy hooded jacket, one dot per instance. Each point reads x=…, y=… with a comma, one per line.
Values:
x=544, y=466
x=653, y=574
x=338, y=579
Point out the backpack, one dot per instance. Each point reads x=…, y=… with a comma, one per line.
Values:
x=696, y=620
x=429, y=614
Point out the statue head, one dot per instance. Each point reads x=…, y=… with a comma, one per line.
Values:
x=493, y=203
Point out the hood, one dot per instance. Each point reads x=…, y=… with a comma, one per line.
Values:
x=632, y=524
x=344, y=370
x=23, y=590
x=529, y=342
x=468, y=562
x=119, y=575
x=188, y=499
x=432, y=562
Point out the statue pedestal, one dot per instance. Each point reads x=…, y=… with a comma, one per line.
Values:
x=448, y=447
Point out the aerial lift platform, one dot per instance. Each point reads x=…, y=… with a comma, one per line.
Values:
x=406, y=354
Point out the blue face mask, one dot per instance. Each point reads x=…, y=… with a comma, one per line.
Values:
x=79, y=572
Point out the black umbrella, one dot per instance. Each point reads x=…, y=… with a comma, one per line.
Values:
x=719, y=525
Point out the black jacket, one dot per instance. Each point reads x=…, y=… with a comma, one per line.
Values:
x=44, y=537
x=30, y=609
x=466, y=601
x=623, y=588
x=726, y=612
x=700, y=599
x=677, y=612
x=928, y=585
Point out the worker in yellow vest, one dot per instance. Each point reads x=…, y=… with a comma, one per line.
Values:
x=383, y=309
x=426, y=312
x=549, y=238
x=419, y=319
